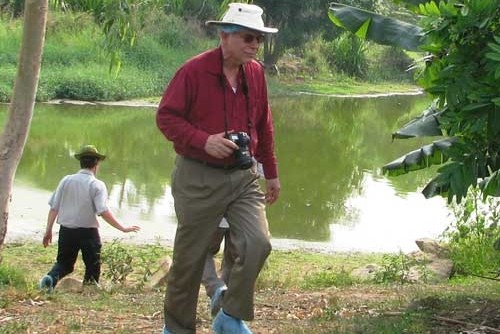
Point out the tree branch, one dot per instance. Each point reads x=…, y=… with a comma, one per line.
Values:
x=463, y=323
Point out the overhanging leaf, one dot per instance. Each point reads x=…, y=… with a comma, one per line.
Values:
x=424, y=157
x=380, y=29
x=450, y=181
x=435, y=187
x=411, y=3
x=493, y=56
x=491, y=185
x=423, y=126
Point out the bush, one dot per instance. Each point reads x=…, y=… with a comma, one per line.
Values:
x=389, y=63
x=325, y=279
x=315, y=55
x=96, y=83
x=5, y=93
x=10, y=276
x=347, y=54
x=473, y=237
x=118, y=261
x=396, y=268
x=76, y=67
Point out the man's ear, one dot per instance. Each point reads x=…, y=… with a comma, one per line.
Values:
x=223, y=35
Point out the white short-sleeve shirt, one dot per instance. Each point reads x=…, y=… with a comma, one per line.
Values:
x=78, y=199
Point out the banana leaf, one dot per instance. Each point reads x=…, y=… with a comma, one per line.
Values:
x=377, y=28
x=435, y=188
x=411, y=3
x=491, y=185
x=453, y=180
x=423, y=126
x=424, y=157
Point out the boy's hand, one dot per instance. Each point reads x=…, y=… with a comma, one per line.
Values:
x=131, y=229
x=47, y=239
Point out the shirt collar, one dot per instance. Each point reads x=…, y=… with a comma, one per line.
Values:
x=215, y=61
x=86, y=171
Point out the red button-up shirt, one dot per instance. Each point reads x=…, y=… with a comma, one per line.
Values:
x=199, y=99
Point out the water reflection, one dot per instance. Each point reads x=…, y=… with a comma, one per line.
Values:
x=330, y=152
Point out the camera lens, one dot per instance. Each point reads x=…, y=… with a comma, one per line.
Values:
x=242, y=155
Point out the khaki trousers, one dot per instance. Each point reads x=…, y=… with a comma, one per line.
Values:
x=202, y=196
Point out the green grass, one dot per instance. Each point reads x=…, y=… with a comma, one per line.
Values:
x=336, y=86
x=74, y=65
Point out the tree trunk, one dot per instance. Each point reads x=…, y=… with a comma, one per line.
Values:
x=15, y=133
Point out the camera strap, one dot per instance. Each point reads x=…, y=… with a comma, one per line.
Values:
x=244, y=88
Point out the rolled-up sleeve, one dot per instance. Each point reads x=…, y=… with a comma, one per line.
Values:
x=100, y=197
x=55, y=199
x=172, y=115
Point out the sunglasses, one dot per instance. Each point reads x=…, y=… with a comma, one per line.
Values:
x=249, y=38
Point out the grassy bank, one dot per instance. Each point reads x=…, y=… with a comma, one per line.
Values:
x=297, y=292
x=76, y=67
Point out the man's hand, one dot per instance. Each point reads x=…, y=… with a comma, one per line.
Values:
x=273, y=190
x=218, y=146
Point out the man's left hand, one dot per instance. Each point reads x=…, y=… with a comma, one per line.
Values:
x=273, y=190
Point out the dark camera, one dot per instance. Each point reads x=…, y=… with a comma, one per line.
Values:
x=242, y=155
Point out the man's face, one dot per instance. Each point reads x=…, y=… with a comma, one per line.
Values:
x=242, y=46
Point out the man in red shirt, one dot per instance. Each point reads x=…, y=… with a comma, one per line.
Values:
x=213, y=105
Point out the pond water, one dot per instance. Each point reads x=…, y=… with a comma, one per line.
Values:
x=330, y=151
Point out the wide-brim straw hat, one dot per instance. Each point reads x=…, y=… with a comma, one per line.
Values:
x=89, y=151
x=245, y=15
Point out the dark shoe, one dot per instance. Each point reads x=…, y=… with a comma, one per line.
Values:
x=226, y=324
x=216, y=300
x=47, y=283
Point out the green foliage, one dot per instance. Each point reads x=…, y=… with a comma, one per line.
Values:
x=298, y=21
x=461, y=72
x=118, y=261
x=328, y=278
x=75, y=67
x=462, y=77
x=12, y=8
x=395, y=268
x=171, y=31
x=79, y=83
x=123, y=261
x=147, y=260
x=388, y=63
x=11, y=276
x=348, y=55
x=194, y=9
x=473, y=236
x=314, y=56
x=121, y=21
x=375, y=27
x=14, y=327
x=5, y=92
x=10, y=40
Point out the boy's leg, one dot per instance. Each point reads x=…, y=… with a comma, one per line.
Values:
x=67, y=253
x=91, y=254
